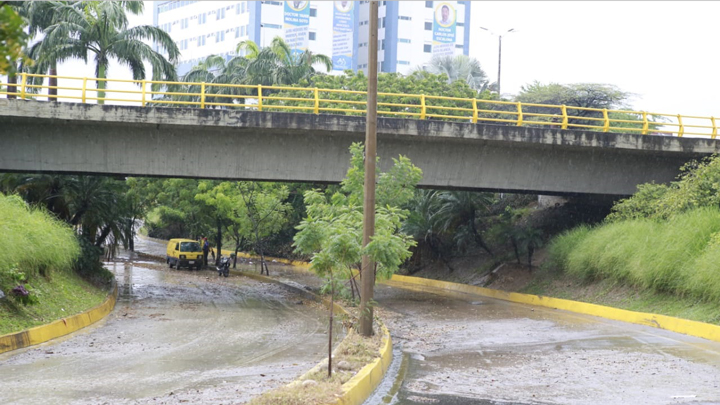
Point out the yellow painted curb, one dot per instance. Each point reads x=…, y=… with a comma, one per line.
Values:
x=62, y=327
x=364, y=382
x=679, y=325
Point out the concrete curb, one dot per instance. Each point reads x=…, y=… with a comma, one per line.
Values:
x=364, y=382
x=679, y=325
x=61, y=327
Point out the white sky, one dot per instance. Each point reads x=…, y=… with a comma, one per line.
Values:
x=664, y=52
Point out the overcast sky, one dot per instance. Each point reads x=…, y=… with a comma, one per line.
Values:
x=664, y=52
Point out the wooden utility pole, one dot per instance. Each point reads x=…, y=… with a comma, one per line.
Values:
x=368, y=266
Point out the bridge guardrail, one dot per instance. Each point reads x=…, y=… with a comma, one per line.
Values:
x=317, y=100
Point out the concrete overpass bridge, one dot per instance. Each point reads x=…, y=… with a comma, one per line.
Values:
x=277, y=146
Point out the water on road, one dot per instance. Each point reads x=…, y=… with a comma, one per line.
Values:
x=467, y=349
x=174, y=336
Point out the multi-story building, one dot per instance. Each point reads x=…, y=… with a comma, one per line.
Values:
x=410, y=32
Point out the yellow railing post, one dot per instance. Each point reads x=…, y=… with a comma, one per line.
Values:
x=259, y=97
x=645, y=123
x=423, y=111
x=714, y=132
x=202, y=95
x=143, y=93
x=22, y=86
x=564, y=124
x=681, y=129
x=84, y=89
x=475, y=111
x=317, y=102
x=606, y=124
x=520, y=114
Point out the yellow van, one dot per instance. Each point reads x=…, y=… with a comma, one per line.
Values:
x=184, y=252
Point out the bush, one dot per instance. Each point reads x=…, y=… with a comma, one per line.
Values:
x=89, y=266
x=698, y=186
x=677, y=256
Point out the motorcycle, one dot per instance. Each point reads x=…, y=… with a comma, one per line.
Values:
x=224, y=267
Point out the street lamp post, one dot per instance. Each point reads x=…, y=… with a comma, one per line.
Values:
x=499, y=53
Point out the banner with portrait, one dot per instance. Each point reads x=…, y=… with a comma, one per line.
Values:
x=343, y=30
x=444, y=23
x=297, y=25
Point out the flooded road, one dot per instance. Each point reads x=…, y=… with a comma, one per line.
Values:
x=466, y=349
x=174, y=336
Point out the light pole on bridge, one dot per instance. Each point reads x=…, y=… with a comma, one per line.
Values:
x=499, y=53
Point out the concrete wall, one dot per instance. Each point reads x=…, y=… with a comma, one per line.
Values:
x=248, y=145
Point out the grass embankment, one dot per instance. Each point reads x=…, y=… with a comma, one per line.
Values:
x=669, y=267
x=354, y=349
x=39, y=252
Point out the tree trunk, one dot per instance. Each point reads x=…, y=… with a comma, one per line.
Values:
x=218, y=244
x=12, y=79
x=479, y=239
x=258, y=246
x=103, y=234
x=330, y=336
x=101, y=84
x=531, y=250
x=53, y=82
x=131, y=242
x=515, y=247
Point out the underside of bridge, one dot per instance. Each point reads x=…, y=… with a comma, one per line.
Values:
x=250, y=145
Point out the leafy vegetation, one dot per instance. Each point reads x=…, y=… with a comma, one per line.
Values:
x=13, y=38
x=36, y=267
x=665, y=238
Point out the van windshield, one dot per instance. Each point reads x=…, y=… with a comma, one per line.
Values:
x=189, y=247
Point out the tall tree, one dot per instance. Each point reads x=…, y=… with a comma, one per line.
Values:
x=13, y=40
x=583, y=95
x=278, y=65
x=40, y=16
x=101, y=28
x=460, y=67
x=267, y=211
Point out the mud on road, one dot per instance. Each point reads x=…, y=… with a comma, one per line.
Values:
x=465, y=349
x=175, y=337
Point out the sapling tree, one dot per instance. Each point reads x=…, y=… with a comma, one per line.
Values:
x=332, y=230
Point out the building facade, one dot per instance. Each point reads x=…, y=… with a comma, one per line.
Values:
x=410, y=32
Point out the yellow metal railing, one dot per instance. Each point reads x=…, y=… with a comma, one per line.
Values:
x=316, y=101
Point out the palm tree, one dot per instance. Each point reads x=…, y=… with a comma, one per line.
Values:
x=41, y=15
x=101, y=27
x=529, y=238
x=214, y=70
x=459, y=211
x=460, y=67
x=277, y=64
x=423, y=225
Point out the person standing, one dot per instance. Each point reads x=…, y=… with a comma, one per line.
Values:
x=206, y=250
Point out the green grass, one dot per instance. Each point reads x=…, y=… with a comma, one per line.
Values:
x=33, y=241
x=670, y=266
x=39, y=251
x=678, y=256
x=61, y=295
